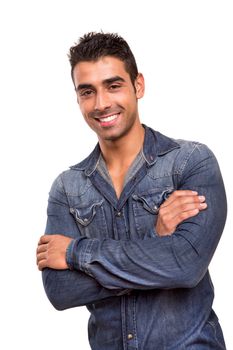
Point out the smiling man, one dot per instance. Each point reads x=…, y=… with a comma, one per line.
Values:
x=107, y=97
x=131, y=229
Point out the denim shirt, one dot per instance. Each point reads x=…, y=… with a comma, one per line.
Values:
x=143, y=291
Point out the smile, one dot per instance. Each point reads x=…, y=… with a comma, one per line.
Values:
x=109, y=118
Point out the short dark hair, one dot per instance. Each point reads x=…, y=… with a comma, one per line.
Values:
x=92, y=46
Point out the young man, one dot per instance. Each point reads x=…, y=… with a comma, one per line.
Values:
x=132, y=229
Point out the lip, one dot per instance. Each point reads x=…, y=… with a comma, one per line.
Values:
x=108, y=123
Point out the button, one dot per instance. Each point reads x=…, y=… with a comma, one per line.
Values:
x=118, y=213
x=130, y=336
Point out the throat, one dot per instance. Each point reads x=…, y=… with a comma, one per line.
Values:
x=118, y=180
x=118, y=172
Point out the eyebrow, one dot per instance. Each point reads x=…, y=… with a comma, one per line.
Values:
x=113, y=80
x=105, y=82
x=83, y=86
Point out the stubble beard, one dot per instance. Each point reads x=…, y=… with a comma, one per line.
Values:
x=121, y=133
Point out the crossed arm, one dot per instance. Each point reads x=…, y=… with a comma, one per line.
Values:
x=181, y=205
x=178, y=256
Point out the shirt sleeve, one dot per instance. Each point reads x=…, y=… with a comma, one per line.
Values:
x=66, y=288
x=177, y=261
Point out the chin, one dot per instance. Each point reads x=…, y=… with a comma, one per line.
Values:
x=111, y=137
x=114, y=136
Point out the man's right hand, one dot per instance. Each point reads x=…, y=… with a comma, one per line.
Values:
x=181, y=205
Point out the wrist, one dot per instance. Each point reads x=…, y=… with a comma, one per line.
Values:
x=72, y=253
x=69, y=255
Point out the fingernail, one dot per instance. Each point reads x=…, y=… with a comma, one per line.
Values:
x=201, y=198
x=203, y=205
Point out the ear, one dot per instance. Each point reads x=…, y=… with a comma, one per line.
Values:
x=139, y=86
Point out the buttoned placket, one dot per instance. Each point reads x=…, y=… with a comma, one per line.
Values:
x=128, y=301
x=130, y=332
x=120, y=223
x=121, y=229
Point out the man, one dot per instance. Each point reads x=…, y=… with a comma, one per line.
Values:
x=132, y=229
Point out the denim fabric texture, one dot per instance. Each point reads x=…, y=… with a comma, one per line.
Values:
x=143, y=291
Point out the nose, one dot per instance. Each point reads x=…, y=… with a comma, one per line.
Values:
x=102, y=101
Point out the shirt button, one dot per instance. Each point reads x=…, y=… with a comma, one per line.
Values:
x=118, y=213
x=130, y=336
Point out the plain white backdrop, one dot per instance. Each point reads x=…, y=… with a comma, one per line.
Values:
x=183, y=48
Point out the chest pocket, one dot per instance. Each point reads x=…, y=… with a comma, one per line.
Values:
x=91, y=219
x=146, y=207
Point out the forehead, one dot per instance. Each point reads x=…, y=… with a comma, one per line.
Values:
x=95, y=72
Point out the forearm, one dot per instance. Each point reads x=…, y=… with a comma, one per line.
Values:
x=142, y=264
x=66, y=289
x=161, y=262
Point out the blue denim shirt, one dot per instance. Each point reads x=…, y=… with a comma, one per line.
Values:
x=143, y=291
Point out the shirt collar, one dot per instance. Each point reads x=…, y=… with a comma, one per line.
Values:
x=155, y=145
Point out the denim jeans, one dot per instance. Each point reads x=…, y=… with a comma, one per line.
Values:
x=143, y=291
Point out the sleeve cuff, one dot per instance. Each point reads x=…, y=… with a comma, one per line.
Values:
x=70, y=256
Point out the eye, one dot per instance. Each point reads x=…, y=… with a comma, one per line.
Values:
x=114, y=87
x=86, y=93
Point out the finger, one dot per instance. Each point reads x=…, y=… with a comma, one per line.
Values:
x=45, y=239
x=178, y=194
x=169, y=213
x=176, y=201
x=42, y=265
x=41, y=256
x=186, y=207
x=42, y=248
x=184, y=216
x=203, y=206
x=188, y=200
x=189, y=213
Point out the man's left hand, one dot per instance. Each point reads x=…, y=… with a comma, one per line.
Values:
x=51, y=252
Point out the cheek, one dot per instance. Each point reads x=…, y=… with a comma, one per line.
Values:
x=85, y=108
x=130, y=102
x=126, y=100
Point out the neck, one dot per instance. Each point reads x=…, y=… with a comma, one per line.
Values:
x=124, y=150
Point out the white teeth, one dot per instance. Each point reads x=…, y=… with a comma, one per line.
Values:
x=109, y=119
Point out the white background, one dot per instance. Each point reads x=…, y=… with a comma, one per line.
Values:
x=184, y=48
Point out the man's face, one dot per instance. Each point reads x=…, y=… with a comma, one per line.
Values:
x=107, y=97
